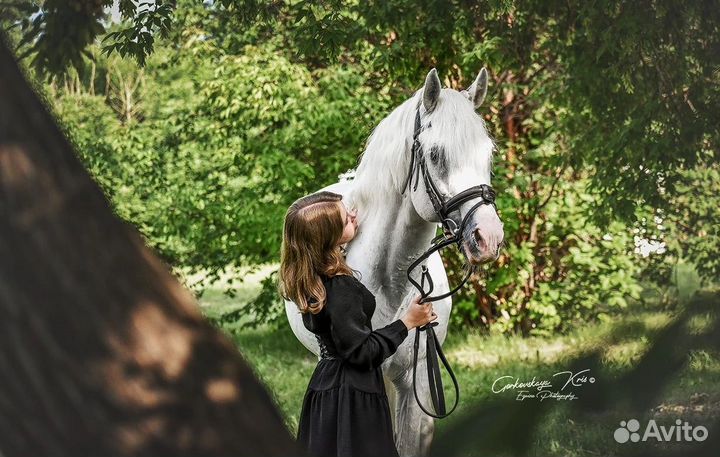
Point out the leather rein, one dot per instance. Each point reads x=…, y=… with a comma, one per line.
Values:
x=452, y=234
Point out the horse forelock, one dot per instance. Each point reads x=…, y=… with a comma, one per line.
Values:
x=460, y=134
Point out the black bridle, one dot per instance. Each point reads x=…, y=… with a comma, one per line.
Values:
x=452, y=234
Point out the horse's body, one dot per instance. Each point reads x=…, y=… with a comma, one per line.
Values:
x=395, y=229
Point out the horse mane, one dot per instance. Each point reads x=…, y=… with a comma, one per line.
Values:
x=455, y=126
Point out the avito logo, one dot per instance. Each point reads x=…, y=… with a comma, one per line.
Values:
x=681, y=431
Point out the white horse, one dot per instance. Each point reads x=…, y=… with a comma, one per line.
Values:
x=395, y=228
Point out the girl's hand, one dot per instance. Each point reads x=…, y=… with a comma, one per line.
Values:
x=418, y=314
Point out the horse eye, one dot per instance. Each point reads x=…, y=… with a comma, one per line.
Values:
x=434, y=155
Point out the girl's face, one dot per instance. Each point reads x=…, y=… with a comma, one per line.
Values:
x=350, y=218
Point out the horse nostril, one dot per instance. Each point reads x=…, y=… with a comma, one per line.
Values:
x=482, y=245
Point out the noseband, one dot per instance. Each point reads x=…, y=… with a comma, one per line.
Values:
x=452, y=233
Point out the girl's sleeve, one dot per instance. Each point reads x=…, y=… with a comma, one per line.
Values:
x=354, y=341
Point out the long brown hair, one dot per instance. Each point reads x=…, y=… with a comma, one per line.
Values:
x=313, y=227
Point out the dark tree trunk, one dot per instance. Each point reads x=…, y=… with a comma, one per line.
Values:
x=102, y=352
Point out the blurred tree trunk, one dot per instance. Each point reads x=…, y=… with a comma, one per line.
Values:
x=103, y=352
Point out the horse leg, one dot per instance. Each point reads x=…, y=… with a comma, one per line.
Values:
x=414, y=428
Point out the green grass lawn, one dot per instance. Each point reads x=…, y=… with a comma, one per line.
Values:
x=285, y=367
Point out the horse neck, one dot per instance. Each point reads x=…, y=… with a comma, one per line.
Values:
x=389, y=239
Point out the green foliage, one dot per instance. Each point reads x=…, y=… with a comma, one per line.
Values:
x=697, y=226
x=138, y=39
x=690, y=228
x=571, y=273
x=637, y=82
x=264, y=132
x=264, y=308
x=208, y=167
x=94, y=129
x=248, y=105
x=56, y=34
x=640, y=80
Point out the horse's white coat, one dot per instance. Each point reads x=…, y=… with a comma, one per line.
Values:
x=395, y=229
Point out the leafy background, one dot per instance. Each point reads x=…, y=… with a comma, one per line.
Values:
x=203, y=121
x=602, y=114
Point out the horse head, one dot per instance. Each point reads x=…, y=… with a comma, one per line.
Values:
x=450, y=152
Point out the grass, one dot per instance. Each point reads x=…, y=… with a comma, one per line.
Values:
x=246, y=283
x=285, y=366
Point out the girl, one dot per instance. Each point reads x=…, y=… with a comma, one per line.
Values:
x=345, y=410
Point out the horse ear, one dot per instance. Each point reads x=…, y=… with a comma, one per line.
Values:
x=431, y=92
x=477, y=91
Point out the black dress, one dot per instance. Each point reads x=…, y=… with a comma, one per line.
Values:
x=345, y=410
